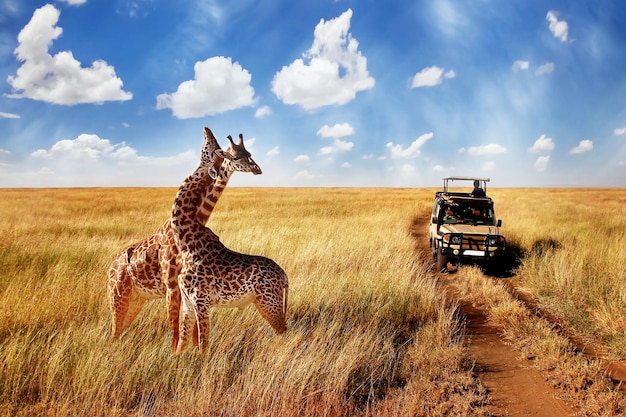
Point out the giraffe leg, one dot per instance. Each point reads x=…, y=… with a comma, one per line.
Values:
x=272, y=308
x=187, y=324
x=134, y=307
x=170, y=269
x=173, y=309
x=203, y=327
x=119, y=292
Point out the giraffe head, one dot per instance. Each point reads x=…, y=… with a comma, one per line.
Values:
x=212, y=156
x=239, y=159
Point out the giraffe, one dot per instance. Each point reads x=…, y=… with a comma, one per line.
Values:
x=148, y=269
x=212, y=275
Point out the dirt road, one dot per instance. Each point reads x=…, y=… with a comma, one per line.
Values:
x=515, y=388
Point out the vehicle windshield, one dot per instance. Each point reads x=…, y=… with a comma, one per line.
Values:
x=468, y=214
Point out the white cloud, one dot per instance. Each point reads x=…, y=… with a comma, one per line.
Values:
x=219, y=85
x=541, y=164
x=413, y=151
x=584, y=145
x=334, y=72
x=431, y=76
x=89, y=160
x=520, y=65
x=557, y=27
x=302, y=159
x=339, y=130
x=86, y=146
x=273, y=152
x=262, y=112
x=337, y=147
x=74, y=2
x=59, y=79
x=346, y=165
x=439, y=168
x=619, y=131
x=546, y=68
x=490, y=149
x=306, y=175
x=4, y=154
x=543, y=144
x=9, y=115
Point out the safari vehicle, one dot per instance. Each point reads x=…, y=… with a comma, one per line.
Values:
x=464, y=228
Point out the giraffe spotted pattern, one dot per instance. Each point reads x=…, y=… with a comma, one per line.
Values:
x=149, y=269
x=212, y=275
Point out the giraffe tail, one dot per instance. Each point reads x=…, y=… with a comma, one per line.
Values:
x=285, y=296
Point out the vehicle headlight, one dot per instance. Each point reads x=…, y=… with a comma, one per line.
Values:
x=456, y=240
x=496, y=240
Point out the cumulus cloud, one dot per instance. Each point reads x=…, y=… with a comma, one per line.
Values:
x=9, y=115
x=543, y=144
x=490, y=149
x=431, y=76
x=413, y=151
x=89, y=160
x=305, y=175
x=336, y=132
x=619, y=131
x=584, y=145
x=520, y=65
x=331, y=72
x=337, y=146
x=74, y=2
x=302, y=159
x=262, y=112
x=273, y=152
x=346, y=165
x=59, y=79
x=557, y=27
x=546, y=68
x=339, y=130
x=541, y=164
x=87, y=146
x=219, y=85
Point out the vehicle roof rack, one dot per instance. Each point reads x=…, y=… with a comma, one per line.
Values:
x=483, y=181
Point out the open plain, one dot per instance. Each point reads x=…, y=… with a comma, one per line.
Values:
x=373, y=330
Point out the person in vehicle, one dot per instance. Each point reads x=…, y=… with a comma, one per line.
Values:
x=477, y=191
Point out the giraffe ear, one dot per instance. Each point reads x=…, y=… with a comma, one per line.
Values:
x=223, y=154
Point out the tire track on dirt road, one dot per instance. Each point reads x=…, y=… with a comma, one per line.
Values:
x=515, y=388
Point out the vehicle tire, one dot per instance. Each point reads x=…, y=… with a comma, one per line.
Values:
x=442, y=261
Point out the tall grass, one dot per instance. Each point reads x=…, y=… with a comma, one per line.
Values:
x=574, y=259
x=369, y=332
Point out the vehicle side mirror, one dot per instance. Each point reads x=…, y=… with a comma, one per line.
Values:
x=433, y=220
x=499, y=222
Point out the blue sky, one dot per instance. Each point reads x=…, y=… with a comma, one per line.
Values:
x=326, y=93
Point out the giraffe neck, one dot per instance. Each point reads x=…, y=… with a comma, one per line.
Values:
x=213, y=192
x=185, y=222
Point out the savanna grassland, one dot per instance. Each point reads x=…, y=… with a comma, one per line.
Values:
x=370, y=331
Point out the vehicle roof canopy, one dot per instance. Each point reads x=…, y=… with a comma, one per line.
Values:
x=483, y=181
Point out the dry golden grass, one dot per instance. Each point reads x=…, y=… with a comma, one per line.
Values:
x=574, y=259
x=369, y=331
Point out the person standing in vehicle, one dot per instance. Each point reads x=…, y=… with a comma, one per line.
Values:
x=477, y=191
